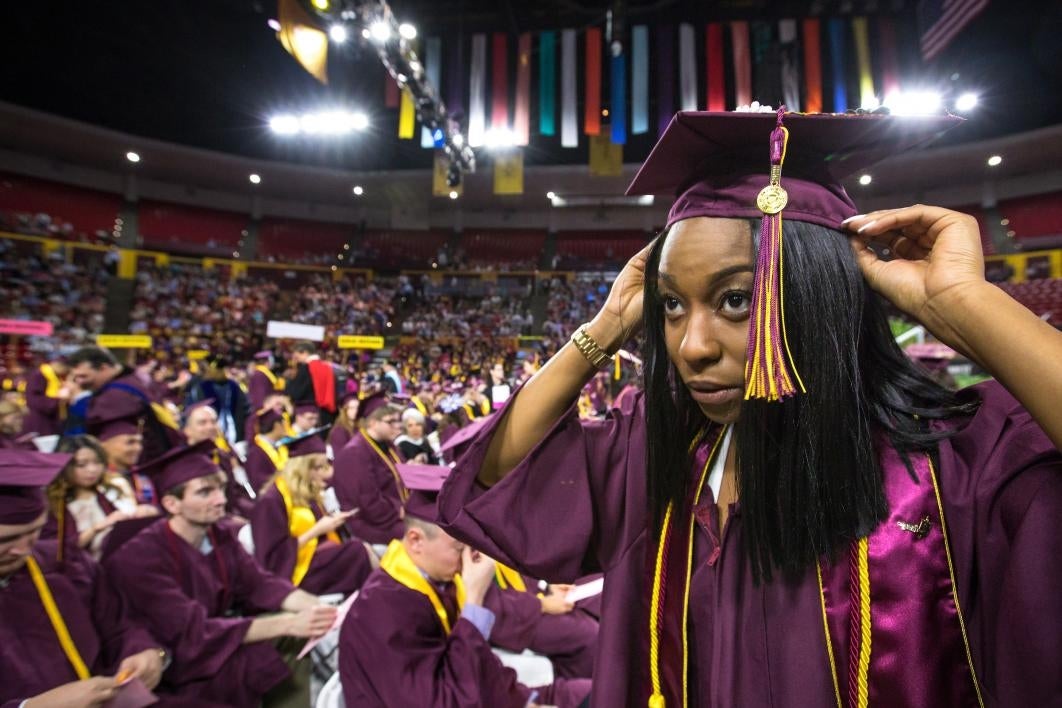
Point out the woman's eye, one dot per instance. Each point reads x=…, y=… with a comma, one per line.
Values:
x=672, y=306
x=737, y=301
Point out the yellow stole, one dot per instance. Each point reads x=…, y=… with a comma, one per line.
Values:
x=470, y=411
x=51, y=390
x=419, y=405
x=397, y=563
x=222, y=444
x=300, y=520
x=403, y=493
x=56, y=618
x=507, y=577
x=277, y=455
x=278, y=384
x=162, y=413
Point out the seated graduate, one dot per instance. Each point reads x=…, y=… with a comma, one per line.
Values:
x=418, y=633
x=201, y=423
x=295, y=538
x=307, y=415
x=367, y=476
x=346, y=423
x=120, y=433
x=265, y=457
x=65, y=636
x=198, y=591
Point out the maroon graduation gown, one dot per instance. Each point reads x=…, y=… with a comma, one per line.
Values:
x=31, y=659
x=186, y=599
x=363, y=481
x=259, y=388
x=158, y=437
x=237, y=500
x=259, y=468
x=577, y=504
x=394, y=653
x=42, y=412
x=338, y=437
x=335, y=567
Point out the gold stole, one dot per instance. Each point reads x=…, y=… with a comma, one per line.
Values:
x=397, y=563
x=51, y=390
x=222, y=444
x=278, y=384
x=300, y=520
x=162, y=413
x=415, y=400
x=470, y=411
x=507, y=577
x=56, y=618
x=277, y=455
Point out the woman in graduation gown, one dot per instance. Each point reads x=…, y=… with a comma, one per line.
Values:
x=793, y=514
x=295, y=538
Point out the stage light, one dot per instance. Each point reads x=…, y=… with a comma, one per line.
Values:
x=284, y=125
x=870, y=103
x=865, y=180
x=132, y=156
x=380, y=31
x=255, y=179
x=498, y=138
x=995, y=160
x=966, y=102
x=273, y=24
x=358, y=190
x=453, y=194
x=551, y=195
x=407, y=31
x=913, y=103
x=366, y=33
x=337, y=33
x=459, y=140
x=320, y=4
x=359, y=121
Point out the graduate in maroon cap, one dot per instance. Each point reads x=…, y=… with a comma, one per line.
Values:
x=366, y=476
x=346, y=424
x=120, y=433
x=47, y=396
x=792, y=513
x=265, y=454
x=66, y=638
x=418, y=634
x=262, y=383
x=306, y=417
x=293, y=535
x=200, y=422
x=199, y=591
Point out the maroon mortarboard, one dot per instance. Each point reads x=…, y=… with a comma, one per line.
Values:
x=265, y=419
x=372, y=403
x=304, y=407
x=123, y=531
x=23, y=476
x=423, y=483
x=123, y=415
x=263, y=355
x=308, y=443
x=462, y=437
x=180, y=465
x=205, y=403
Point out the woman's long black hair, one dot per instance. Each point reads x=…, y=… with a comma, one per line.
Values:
x=808, y=472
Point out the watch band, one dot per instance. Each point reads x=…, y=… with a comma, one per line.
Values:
x=590, y=349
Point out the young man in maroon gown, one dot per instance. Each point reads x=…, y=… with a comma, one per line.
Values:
x=264, y=457
x=47, y=396
x=105, y=642
x=419, y=633
x=197, y=589
x=201, y=423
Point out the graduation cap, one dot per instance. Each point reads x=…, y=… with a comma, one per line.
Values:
x=23, y=476
x=265, y=419
x=306, y=407
x=180, y=465
x=308, y=443
x=463, y=436
x=372, y=403
x=423, y=483
x=124, y=530
x=124, y=415
x=770, y=165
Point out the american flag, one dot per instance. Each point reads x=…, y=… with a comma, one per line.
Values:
x=941, y=20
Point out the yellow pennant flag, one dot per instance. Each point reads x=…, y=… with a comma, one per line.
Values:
x=509, y=172
x=406, y=116
x=862, y=46
x=606, y=158
x=302, y=39
x=439, y=185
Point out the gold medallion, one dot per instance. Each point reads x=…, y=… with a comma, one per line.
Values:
x=772, y=199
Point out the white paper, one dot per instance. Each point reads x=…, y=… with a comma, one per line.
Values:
x=581, y=592
x=341, y=614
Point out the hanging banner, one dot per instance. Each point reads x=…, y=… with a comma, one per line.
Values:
x=687, y=68
x=522, y=105
x=391, y=91
x=455, y=76
x=569, y=115
x=440, y=169
x=477, y=91
x=739, y=42
x=592, y=117
x=812, y=67
x=639, y=79
x=715, y=71
x=838, y=62
x=359, y=341
x=509, y=172
x=862, y=46
x=665, y=77
x=28, y=328
x=499, y=93
x=406, y=116
x=547, y=83
x=123, y=341
x=433, y=70
x=197, y=354
x=618, y=99
x=278, y=329
x=606, y=158
x=890, y=63
x=301, y=39
x=787, y=43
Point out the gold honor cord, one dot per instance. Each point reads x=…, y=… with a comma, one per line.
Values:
x=56, y=618
x=403, y=493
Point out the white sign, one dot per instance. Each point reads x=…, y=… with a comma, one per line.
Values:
x=294, y=330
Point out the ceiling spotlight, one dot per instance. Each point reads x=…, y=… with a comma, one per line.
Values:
x=966, y=102
x=359, y=121
x=499, y=138
x=380, y=31
x=366, y=33
x=551, y=195
x=913, y=103
x=337, y=33
x=358, y=190
x=865, y=180
x=255, y=179
x=995, y=160
x=453, y=194
x=407, y=31
x=320, y=4
x=273, y=24
x=284, y=125
x=132, y=156
x=459, y=139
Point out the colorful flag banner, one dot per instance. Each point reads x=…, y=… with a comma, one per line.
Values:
x=617, y=114
x=862, y=46
x=592, y=116
x=455, y=78
x=715, y=69
x=687, y=68
x=440, y=186
x=739, y=41
x=406, y=116
x=522, y=105
x=509, y=172
x=890, y=63
x=499, y=94
x=606, y=157
x=301, y=39
x=477, y=91
x=838, y=62
x=812, y=67
x=569, y=115
x=787, y=43
x=665, y=73
x=639, y=79
x=433, y=71
x=547, y=83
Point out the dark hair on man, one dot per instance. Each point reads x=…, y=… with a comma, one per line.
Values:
x=96, y=357
x=304, y=348
x=809, y=477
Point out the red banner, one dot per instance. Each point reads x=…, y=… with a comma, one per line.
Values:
x=522, y=107
x=890, y=64
x=592, y=121
x=812, y=67
x=499, y=92
x=390, y=91
x=715, y=74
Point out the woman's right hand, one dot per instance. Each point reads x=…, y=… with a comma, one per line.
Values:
x=112, y=518
x=328, y=524
x=621, y=316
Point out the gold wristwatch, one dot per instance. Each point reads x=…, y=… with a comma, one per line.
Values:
x=590, y=349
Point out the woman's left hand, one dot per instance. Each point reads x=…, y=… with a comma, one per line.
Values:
x=936, y=261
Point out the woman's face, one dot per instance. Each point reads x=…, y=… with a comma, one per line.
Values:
x=705, y=286
x=352, y=408
x=86, y=469
x=321, y=470
x=11, y=423
x=414, y=428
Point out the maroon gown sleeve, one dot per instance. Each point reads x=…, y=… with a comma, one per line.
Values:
x=274, y=548
x=120, y=635
x=253, y=586
x=360, y=482
x=548, y=516
x=259, y=468
x=1001, y=486
x=516, y=615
